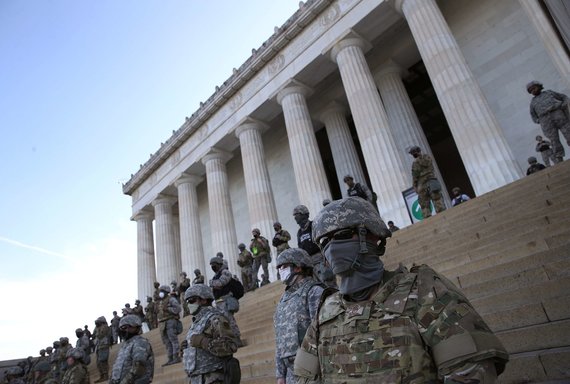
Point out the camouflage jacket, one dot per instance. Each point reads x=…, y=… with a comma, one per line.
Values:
x=198, y=280
x=422, y=169
x=77, y=374
x=84, y=344
x=417, y=327
x=547, y=102
x=115, y=322
x=245, y=259
x=281, y=240
x=134, y=363
x=296, y=308
x=101, y=335
x=259, y=246
x=168, y=308
x=211, y=323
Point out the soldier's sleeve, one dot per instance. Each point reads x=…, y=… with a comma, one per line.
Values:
x=533, y=114
x=367, y=192
x=314, y=300
x=173, y=306
x=280, y=369
x=463, y=347
x=307, y=366
x=285, y=236
x=222, y=341
x=559, y=96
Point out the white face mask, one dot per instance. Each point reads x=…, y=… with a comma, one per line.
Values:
x=193, y=308
x=285, y=273
x=161, y=295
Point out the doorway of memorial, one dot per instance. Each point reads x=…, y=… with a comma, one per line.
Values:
x=434, y=124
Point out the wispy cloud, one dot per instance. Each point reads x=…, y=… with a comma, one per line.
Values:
x=36, y=249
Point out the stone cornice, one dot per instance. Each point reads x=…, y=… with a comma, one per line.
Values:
x=306, y=13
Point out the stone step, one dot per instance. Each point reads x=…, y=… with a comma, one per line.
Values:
x=555, y=334
x=542, y=366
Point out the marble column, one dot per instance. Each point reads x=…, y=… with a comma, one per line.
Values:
x=260, y=200
x=345, y=157
x=168, y=265
x=191, y=246
x=310, y=177
x=480, y=141
x=145, y=255
x=388, y=175
x=404, y=122
x=222, y=227
x=549, y=37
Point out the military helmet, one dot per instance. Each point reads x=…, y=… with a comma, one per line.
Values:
x=534, y=83
x=183, y=274
x=241, y=246
x=164, y=288
x=256, y=230
x=49, y=349
x=277, y=224
x=301, y=210
x=56, y=344
x=42, y=366
x=76, y=353
x=532, y=159
x=347, y=177
x=350, y=212
x=64, y=340
x=216, y=260
x=131, y=320
x=197, y=271
x=414, y=148
x=79, y=330
x=101, y=319
x=42, y=351
x=296, y=256
x=199, y=290
x=15, y=371
x=137, y=302
x=220, y=254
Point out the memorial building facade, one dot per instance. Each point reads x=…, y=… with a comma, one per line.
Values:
x=345, y=87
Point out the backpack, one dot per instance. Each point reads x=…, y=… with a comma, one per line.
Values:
x=236, y=288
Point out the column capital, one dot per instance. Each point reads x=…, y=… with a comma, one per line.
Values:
x=216, y=154
x=293, y=86
x=397, y=5
x=142, y=215
x=248, y=124
x=186, y=178
x=389, y=67
x=163, y=199
x=333, y=107
x=348, y=39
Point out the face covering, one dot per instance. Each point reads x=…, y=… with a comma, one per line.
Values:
x=193, y=308
x=161, y=295
x=357, y=271
x=215, y=268
x=286, y=274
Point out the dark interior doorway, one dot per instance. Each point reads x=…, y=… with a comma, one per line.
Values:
x=432, y=120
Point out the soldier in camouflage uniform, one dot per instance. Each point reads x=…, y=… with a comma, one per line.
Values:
x=42, y=373
x=550, y=110
x=281, y=238
x=101, y=337
x=245, y=262
x=138, y=310
x=545, y=149
x=150, y=313
x=135, y=360
x=76, y=372
x=305, y=241
x=210, y=340
x=115, y=327
x=199, y=278
x=156, y=294
x=14, y=375
x=425, y=184
x=64, y=346
x=168, y=315
x=261, y=253
x=83, y=344
x=390, y=326
x=296, y=309
x=53, y=361
x=182, y=287
x=225, y=301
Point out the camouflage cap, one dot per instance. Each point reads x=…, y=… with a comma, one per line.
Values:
x=296, y=256
x=76, y=353
x=301, y=210
x=533, y=83
x=216, y=260
x=131, y=320
x=15, y=371
x=164, y=288
x=350, y=212
x=199, y=290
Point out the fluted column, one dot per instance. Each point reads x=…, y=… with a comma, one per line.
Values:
x=480, y=141
x=222, y=227
x=403, y=120
x=345, y=157
x=549, y=37
x=145, y=255
x=167, y=263
x=191, y=246
x=260, y=200
x=388, y=175
x=310, y=177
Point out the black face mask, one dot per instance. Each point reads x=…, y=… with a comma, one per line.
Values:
x=215, y=268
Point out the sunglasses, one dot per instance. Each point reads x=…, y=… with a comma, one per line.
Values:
x=344, y=234
x=192, y=300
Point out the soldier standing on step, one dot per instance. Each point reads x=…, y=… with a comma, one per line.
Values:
x=425, y=183
x=210, y=341
x=245, y=262
x=199, y=279
x=101, y=335
x=296, y=309
x=168, y=315
x=390, y=326
x=182, y=287
x=261, y=252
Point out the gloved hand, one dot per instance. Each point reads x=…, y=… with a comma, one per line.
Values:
x=183, y=345
x=199, y=341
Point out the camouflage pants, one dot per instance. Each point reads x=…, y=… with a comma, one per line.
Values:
x=115, y=333
x=547, y=156
x=169, y=337
x=103, y=361
x=216, y=377
x=261, y=261
x=424, y=198
x=551, y=124
x=224, y=305
x=246, y=278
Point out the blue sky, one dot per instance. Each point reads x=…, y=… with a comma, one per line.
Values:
x=88, y=90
